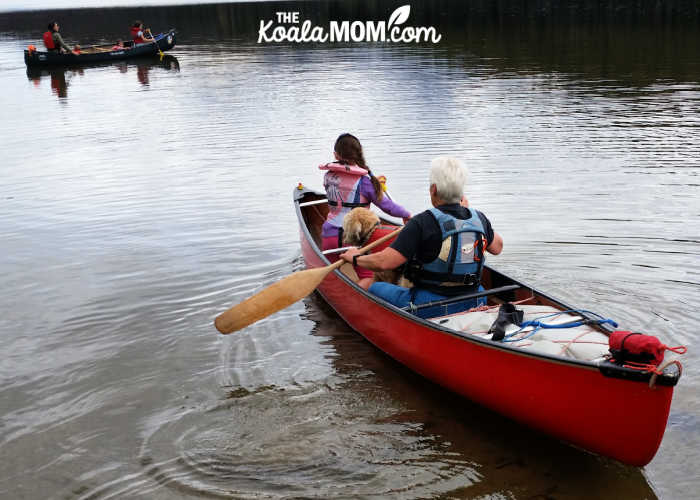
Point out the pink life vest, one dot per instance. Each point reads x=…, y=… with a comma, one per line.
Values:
x=342, y=183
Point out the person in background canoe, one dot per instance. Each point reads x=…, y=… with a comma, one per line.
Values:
x=53, y=40
x=118, y=46
x=425, y=247
x=349, y=183
x=138, y=34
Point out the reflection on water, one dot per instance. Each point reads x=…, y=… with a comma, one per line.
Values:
x=60, y=76
x=365, y=427
x=151, y=199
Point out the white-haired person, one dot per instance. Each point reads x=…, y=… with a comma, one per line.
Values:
x=442, y=249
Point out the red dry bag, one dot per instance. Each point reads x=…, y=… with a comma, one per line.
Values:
x=637, y=348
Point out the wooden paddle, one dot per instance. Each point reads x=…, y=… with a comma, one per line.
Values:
x=282, y=294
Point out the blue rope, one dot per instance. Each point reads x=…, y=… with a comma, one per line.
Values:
x=537, y=324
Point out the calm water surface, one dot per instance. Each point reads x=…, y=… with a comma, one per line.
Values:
x=139, y=200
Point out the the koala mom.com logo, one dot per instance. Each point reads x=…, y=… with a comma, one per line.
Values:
x=288, y=28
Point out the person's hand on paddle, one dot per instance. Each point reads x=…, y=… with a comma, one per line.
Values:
x=285, y=292
x=348, y=255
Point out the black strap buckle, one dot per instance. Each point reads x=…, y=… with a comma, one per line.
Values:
x=470, y=279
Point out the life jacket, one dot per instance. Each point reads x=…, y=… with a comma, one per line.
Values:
x=379, y=231
x=48, y=40
x=457, y=269
x=342, y=183
x=138, y=38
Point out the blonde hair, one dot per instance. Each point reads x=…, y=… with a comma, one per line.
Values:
x=449, y=175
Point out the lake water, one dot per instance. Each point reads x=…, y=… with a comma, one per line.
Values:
x=141, y=199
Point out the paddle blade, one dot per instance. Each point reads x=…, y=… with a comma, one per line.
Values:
x=274, y=298
x=349, y=271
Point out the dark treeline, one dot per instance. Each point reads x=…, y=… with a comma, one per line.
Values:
x=449, y=15
x=637, y=41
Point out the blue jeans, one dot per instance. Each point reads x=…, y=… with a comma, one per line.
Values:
x=401, y=297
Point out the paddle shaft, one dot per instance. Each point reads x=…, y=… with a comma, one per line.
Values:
x=160, y=52
x=374, y=244
x=284, y=293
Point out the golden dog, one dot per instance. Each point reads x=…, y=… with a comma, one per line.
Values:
x=358, y=226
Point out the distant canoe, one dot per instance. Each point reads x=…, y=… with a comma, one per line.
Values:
x=101, y=53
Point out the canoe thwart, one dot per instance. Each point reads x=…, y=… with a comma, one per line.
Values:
x=460, y=298
x=315, y=202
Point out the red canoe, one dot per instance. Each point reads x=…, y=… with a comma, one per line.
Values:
x=596, y=405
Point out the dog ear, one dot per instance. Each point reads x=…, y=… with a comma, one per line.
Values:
x=354, y=232
x=368, y=218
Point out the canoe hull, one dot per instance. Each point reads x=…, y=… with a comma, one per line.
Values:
x=166, y=41
x=570, y=400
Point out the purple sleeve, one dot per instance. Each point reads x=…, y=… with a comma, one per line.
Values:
x=388, y=206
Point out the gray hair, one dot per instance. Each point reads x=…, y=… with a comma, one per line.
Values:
x=449, y=176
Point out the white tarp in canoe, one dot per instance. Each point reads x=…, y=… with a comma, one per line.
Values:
x=581, y=342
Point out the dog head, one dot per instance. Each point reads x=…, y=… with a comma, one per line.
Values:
x=357, y=226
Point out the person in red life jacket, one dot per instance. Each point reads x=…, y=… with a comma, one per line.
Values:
x=76, y=50
x=442, y=249
x=138, y=34
x=349, y=183
x=53, y=40
x=118, y=46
